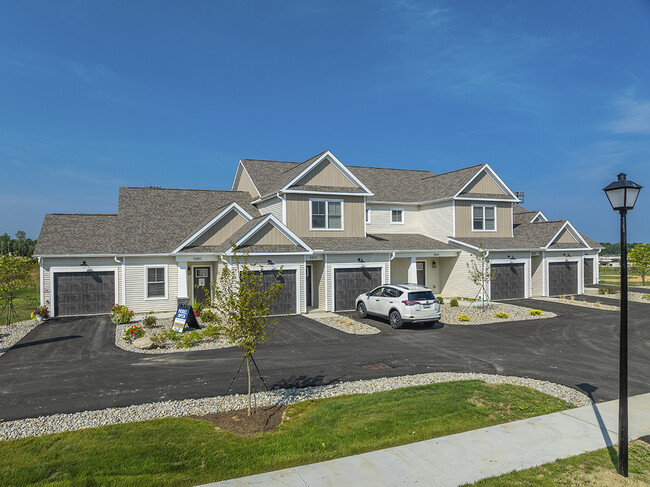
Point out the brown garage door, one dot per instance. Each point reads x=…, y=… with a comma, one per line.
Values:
x=562, y=278
x=83, y=293
x=349, y=283
x=287, y=303
x=509, y=281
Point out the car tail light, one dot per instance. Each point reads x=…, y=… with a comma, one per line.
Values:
x=436, y=301
x=411, y=303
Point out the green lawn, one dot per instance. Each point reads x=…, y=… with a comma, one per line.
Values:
x=596, y=469
x=25, y=301
x=183, y=452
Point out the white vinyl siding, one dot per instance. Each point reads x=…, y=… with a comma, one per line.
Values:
x=397, y=215
x=136, y=292
x=454, y=277
x=380, y=219
x=156, y=282
x=437, y=221
x=273, y=206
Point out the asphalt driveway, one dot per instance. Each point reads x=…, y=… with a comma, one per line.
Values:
x=72, y=364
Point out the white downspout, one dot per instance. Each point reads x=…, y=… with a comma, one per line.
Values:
x=42, y=293
x=123, y=264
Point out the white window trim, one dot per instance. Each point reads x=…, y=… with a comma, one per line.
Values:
x=472, y=218
x=368, y=215
x=327, y=200
x=391, y=216
x=146, y=282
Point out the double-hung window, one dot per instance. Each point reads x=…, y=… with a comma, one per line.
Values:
x=326, y=215
x=396, y=215
x=155, y=282
x=484, y=218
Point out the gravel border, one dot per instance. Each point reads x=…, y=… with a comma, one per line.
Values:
x=581, y=302
x=57, y=423
x=479, y=317
x=631, y=295
x=345, y=324
x=14, y=332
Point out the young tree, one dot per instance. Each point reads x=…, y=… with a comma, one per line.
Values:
x=244, y=303
x=480, y=273
x=639, y=258
x=14, y=273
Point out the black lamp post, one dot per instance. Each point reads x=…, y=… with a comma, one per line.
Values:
x=622, y=195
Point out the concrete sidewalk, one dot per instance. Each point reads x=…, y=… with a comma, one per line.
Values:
x=470, y=456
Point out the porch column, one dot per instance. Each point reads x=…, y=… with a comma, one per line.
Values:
x=413, y=271
x=182, y=280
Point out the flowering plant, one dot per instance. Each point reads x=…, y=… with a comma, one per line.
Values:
x=41, y=311
x=121, y=314
x=133, y=332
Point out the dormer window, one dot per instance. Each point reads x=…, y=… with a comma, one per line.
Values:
x=326, y=214
x=484, y=218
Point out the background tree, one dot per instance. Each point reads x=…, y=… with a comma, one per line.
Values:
x=21, y=245
x=639, y=258
x=243, y=303
x=481, y=274
x=14, y=273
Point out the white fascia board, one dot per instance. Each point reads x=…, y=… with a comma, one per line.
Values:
x=573, y=232
x=300, y=191
x=238, y=173
x=270, y=218
x=346, y=172
x=360, y=251
x=232, y=206
x=494, y=175
x=469, y=198
x=465, y=244
x=278, y=253
x=400, y=203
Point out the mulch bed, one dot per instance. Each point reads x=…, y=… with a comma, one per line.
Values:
x=262, y=420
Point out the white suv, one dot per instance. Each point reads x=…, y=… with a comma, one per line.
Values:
x=400, y=303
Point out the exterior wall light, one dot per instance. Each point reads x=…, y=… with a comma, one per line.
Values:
x=622, y=195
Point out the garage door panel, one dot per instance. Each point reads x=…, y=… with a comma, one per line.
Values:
x=562, y=278
x=287, y=302
x=349, y=283
x=509, y=281
x=83, y=293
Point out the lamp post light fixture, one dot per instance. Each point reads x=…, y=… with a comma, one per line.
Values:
x=622, y=195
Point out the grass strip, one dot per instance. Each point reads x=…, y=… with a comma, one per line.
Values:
x=183, y=451
x=597, y=469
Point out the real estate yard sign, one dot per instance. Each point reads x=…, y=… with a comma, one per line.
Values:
x=184, y=316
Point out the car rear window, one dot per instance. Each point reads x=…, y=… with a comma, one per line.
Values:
x=421, y=296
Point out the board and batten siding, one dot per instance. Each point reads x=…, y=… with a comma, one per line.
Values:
x=565, y=237
x=537, y=275
x=221, y=231
x=484, y=184
x=326, y=174
x=318, y=283
x=92, y=264
x=244, y=183
x=437, y=220
x=454, y=277
x=299, y=215
x=268, y=235
x=273, y=206
x=135, y=284
x=464, y=219
x=380, y=219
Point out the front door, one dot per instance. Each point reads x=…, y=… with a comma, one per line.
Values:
x=422, y=276
x=309, y=283
x=201, y=284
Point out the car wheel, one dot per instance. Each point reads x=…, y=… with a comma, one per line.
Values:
x=361, y=310
x=395, y=319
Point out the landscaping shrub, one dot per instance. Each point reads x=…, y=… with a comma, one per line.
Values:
x=646, y=296
x=121, y=314
x=611, y=290
x=158, y=339
x=597, y=304
x=602, y=290
x=536, y=312
x=172, y=335
x=501, y=315
x=453, y=303
x=189, y=339
x=208, y=316
x=133, y=332
x=463, y=318
x=441, y=300
x=149, y=321
x=211, y=331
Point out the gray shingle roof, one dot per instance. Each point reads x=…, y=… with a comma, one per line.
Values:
x=76, y=234
x=155, y=220
x=592, y=243
x=522, y=217
x=384, y=241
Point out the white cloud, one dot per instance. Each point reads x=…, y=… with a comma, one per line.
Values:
x=633, y=115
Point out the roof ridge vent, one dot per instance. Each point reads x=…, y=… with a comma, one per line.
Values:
x=151, y=187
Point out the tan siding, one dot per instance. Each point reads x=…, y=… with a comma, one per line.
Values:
x=537, y=274
x=454, y=277
x=268, y=235
x=566, y=237
x=399, y=270
x=93, y=263
x=299, y=214
x=326, y=174
x=221, y=231
x=317, y=282
x=464, y=219
x=437, y=220
x=244, y=183
x=274, y=206
x=380, y=220
x=135, y=284
x=484, y=184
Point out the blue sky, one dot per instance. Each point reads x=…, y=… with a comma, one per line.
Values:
x=554, y=95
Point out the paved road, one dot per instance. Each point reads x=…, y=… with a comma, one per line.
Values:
x=72, y=364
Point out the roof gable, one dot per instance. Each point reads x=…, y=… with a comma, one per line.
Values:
x=244, y=182
x=266, y=233
x=486, y=183
x=566, y=237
